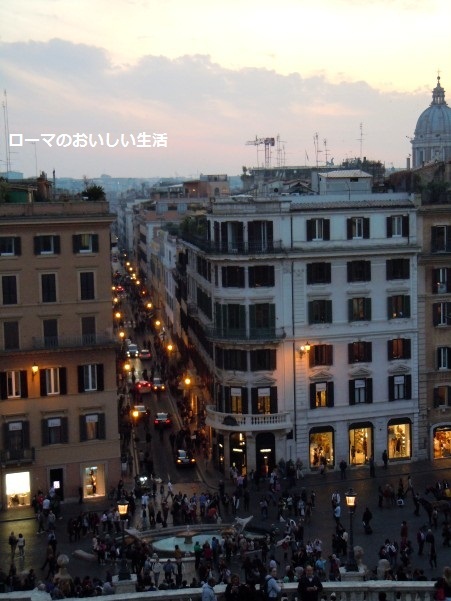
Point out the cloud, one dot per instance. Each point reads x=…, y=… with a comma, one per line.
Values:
x=208, y=111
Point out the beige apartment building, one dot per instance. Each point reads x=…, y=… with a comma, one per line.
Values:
x=57, y=352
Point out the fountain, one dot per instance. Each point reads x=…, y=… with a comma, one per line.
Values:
x=188, y=536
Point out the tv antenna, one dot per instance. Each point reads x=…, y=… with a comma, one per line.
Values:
x=268, y=143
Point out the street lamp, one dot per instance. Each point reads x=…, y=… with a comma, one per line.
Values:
x=351, y=498
x=124, y=572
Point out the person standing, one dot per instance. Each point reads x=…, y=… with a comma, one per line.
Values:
x=343, y=465
x=372, y=468
x=271, y=586
x=13, y=544
x=310, y=586
x=367, y=517
x=21, y=546
x=208, y=592
x=385, y=458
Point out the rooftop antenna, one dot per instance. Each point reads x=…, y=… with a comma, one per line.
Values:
x=6, y=125
x=280, y=152
x=361, y=141
x=326, y=151
x=317, y=150
x=267, y=143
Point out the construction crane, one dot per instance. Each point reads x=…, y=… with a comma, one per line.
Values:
x=267, y=143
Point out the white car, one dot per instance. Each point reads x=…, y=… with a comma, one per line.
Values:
x=132, y=350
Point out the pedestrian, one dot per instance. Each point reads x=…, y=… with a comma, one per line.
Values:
x=309, y=586
x=13, y=544
x=372, y=468
x=337, y=514
x=385, y=458
x=367, y=517
x=157, y=568
x=208, y=593
x=420, y=540
x=235, y=590
x=442, y=587
x=21, y=546
x=271, y=587
x=416, y=500
x=343, y=466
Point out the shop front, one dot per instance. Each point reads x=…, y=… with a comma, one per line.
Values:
x=442, y=441
x=399, y=439
x=321, y=447
x=93, y=478
x=265, y=448
x=17, y=489
x=360, y=443
x=238, y=453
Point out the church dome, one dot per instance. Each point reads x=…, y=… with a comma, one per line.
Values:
x=432, y=138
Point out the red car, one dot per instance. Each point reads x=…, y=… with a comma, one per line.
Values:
x=143, y=386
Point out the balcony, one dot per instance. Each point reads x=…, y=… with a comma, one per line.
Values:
x=60, y=342
x=237, y=248
x=248, y=421
x=17, y=456
x=254, y=335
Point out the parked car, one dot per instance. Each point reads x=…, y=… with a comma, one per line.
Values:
x=144, y=353
x=143, y=386
x=158, y=385
x=132, y=350
x=162, y=420
x=184, y=459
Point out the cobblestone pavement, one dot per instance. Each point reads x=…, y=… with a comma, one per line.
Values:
x=386, y=521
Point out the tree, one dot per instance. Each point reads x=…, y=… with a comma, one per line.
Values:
x=94, y=192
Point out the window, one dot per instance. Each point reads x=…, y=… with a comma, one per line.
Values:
x=85, y=243
x=359, y=309
x=321, y=354
x=260, y=236
x=397, y=226
x=50, y=327
x=11, y=335
x=87, y=290
x=358, y=228
x=88, y=329
x=92, y=427
x=48, y=287
x=443, y=357
x=16, y=439
x=360, y=391
x=442, y=396
x=441, y=280
x=360, y=351
x=230, y=320
x=263, y=360
x=10, y=246
x=397, y=269
x=441, y=314
x=441, y=239
x=264, y=400
x=53, y=381
x=233, y=277
x=54, y=431
x=399, y=388
x=318, y=273
x=261, y=276
x=398, y=306
x=13, y=384
x=90, y=377
x=262, y=319
x=236, y=400
x=320, y=311
x=398, y=348
x=318, y=229
x=359, y=271
x=235, y=359
x=321, y=395
x=9, y=289
x=47, y=245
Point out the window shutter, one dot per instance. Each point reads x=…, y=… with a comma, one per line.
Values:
x=438, y=355
x=272, y=360
x=227, y=400
x=309, y=273
x=367, y=270
x=389, y=350
x=254, y=400
x=350, y=353
x=366, y=227
x=406, y=304
x=350, y=309
x=56, y=245
x=76, y=243
x=391, y=388
x=101, y=426
x=82, y=425
x=3, y=386
x=407, y=345
x=100, y=383
x=26, y=434
x=309, y=225
x=64, y=430
x=405, y=226
x=95, y=243
x=448, y=279
x=434, y=282
x=5, y=436
x=389, y=307
x=329, y=354
x=312, y=357
x=329, y=311
x=273, y=399
x=326, y=229
x=389, y=227
x=312, y=396
x=43, y=382
x=310, y=311
x=408, y=387
x=328, y=272
x=81, y=379
x=330, y=394
x=351, y=392
x=37, y=245
x=63, y=380
x=369, y=390
x=367, y=308
x=44, y=432
x=388, y=269
x=17, y=246
x=368, y=351
x=349, y=270
x=244, y=399
x=23, y=384
x=436, y=314
x=349, y=229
